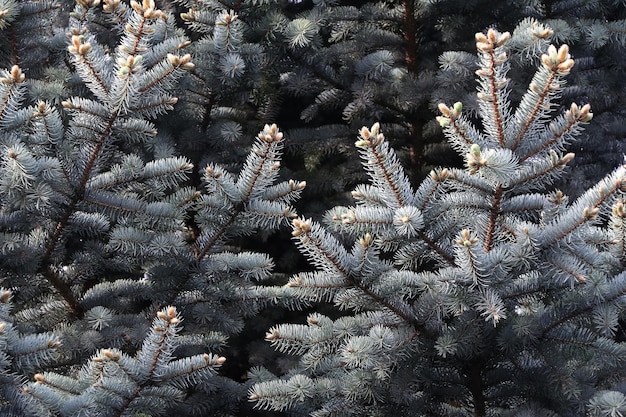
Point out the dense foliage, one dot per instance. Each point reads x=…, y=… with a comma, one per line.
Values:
x=478, y=267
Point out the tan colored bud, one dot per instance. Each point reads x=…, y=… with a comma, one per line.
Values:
x=568, y=157
x=366, y=240
x=445, y=110
x=301, y=227
x=150, y=13
x=590, y=212
x=482, y=96
x=443, y=121
x=565, y=66
x=111, y=355
x=480, y=37
x=563, y=53
x=84, y=48
x=365, y=133
x=5, y=297
x=17, y=74
x=504, y=37
x=273, y=335
x=466, y=239
x=294, y=282
x=111, y=5
x=136, y=6
x=483, y=46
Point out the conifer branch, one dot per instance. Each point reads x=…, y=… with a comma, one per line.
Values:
x=54, y=239
x=217, y=236
x=81, y=52
x=540, y=103
x=260, y=167
x=169, y=318
x=569, y=270
x=488, y=46
x=580, y=213
x=574, y=117
x=42, y=112
x=538, y=173
x=83, y=61
x=13, y=78
x=374, y=143
x=316, y=245
x=578, y=312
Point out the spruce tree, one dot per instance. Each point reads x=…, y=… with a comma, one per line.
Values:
x=483, y=291
x=108, y=244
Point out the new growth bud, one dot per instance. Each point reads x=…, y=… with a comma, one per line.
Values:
x=297, y=186
x=558, y=61
x=226, y=18
x=475, y=159
x=15, y=76
x=301, y=227
x=370, y=137
x=147, y=9
x=579, y=114
x=78, y=47
x=5, y=297
x=466, y=239
x=439, y=176
x=110, y=355
x=366, y=240
x=272, y=335
x=183, y=62
x=111, y=5
x=448, y=114
x=270, y=134
x=493, y=39
x=89, y=4
x=590, y=212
